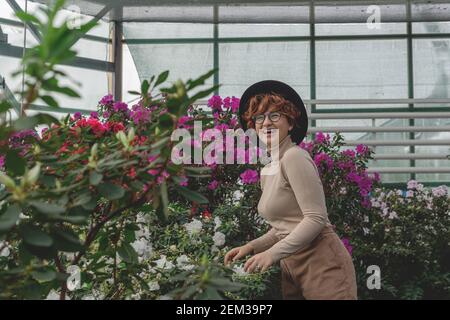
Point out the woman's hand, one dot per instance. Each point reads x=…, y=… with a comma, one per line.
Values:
x=237, y=253
x=259, y=262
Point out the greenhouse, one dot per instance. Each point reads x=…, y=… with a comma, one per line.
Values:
x=93, y=204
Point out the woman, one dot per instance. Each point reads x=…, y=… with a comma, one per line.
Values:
x=314, y=262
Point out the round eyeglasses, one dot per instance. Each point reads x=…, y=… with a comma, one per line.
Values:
x=273, y=116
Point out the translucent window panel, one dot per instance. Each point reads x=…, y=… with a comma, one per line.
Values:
x=335, y=29
x=361, y=69
x=262, y=30
x=431, y=27
x=242, y=64
x=155, y=30
x=359, y=107
x=130, y=78
x=431, y=68
x=93, y=86
x=8, y=66
x=7, y=12
x=92, y=49
x=15, y=36
x=184, y=61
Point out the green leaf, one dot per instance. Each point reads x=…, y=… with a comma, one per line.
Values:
x=24, y=123
x=144, y=87
x=50, y=101
x=66, y=240
x=15, y=163
x=162, y=77
x=34, y=236
x=26, y=17
x=127, y=253
x=44, y=275
x=191, y=195
x=95, y=178
x=9, y=218
x=4, y=106
x=46, y=208
x=111, y=191
x=201, y=80
x=135, y=93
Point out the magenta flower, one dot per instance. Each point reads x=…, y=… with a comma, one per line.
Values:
x=349, y=153
x=94, y=115
x=77, y=116
x=308, y=146
x=183, y=181
x=120, y=106
x=213, y=185
x=321, y=138
x=249, y=176
x=347, y=245
x=322, y=157
x=140, y=114
x=362, y=149
x=235, y=104
x=2, y=161
x=108, y=99
x=215, y=102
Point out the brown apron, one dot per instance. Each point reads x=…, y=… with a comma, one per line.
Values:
x=322, y=271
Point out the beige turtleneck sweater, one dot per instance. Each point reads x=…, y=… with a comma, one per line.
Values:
x=292, y=202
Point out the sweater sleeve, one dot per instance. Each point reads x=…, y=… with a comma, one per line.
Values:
x=264, y=242
x=301, y=172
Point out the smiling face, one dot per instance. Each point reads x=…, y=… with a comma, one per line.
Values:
x=272, y=121
x=269, y=112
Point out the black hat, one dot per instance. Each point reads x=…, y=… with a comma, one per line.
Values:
x=297, y=133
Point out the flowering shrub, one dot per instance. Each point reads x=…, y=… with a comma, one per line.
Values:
x=408, y=237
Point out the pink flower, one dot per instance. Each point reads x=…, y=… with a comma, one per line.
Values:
x=308, y=146
x=249, y=176
x=235, y=104
x=213, y=185
x=347, y=245
x=183, y=120
x=362, y=149
x=321, y=138
x=183, y=181
x=120, y=106
x=140, y=114
x=349, y=153
x=108, y=99
x=215, y=102
x=153, y=172
x=322, y=157
x=2, y=161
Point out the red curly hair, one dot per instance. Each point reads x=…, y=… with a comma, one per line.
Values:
x=270, y=102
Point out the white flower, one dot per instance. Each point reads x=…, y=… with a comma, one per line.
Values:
x=162, y=263
x=194, y=226
x=5, y=252
x=412, y=184
x=366, y=230
x=239, y=269
x=393, y=215
x=153, y=286
x=439, y=191
x=143, y=248
x=409, y=194
x=217, y=223
x=182, y=263
x=343, y=190
x=219, y=239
